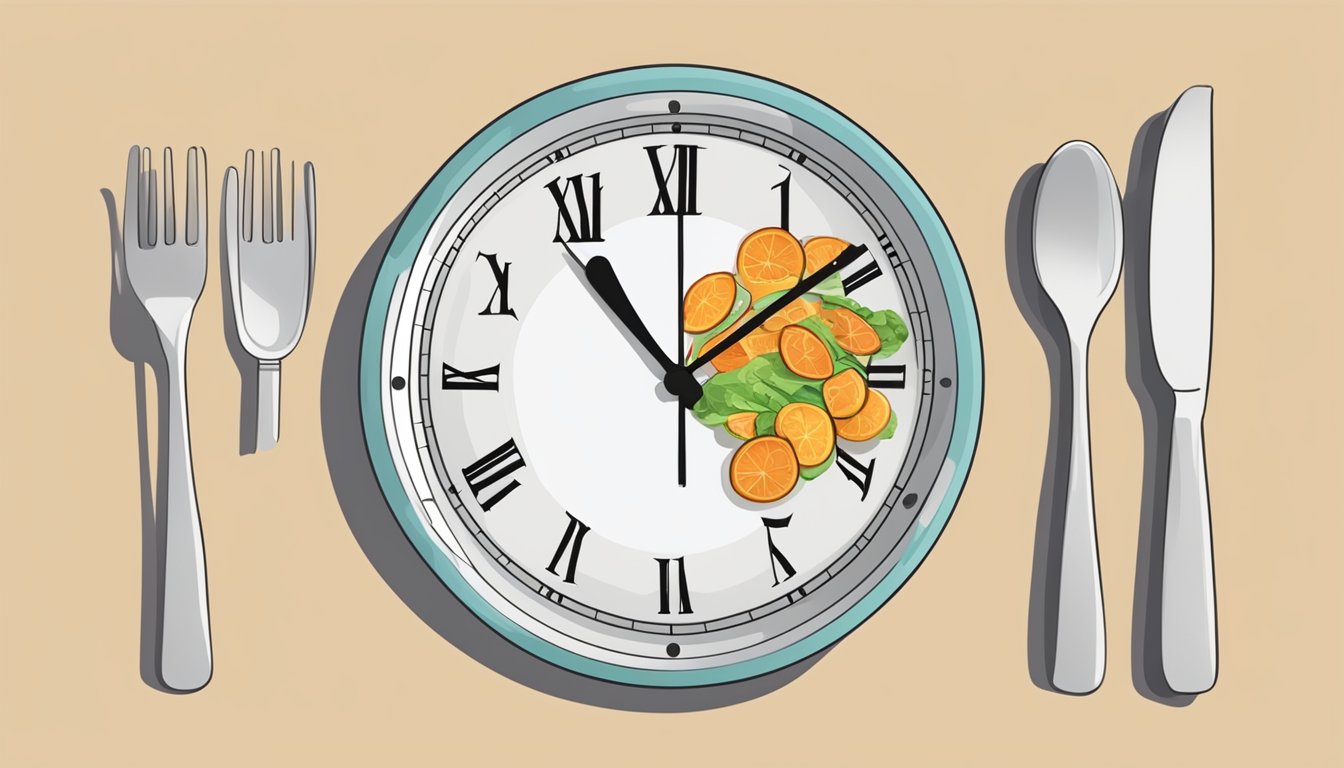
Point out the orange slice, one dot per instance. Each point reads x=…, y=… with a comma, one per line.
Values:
x=792, y=312
x=804, y=353
x=731, y=358
x=763, y=469
x=769, y=260
x=809, y=430
x=852, y=332
x=759, y=342
x=869, y=422
x=742, y=425
x=820, y=251
x=844, y=393
x=708, y=301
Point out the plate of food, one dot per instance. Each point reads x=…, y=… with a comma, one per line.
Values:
x=732, y=449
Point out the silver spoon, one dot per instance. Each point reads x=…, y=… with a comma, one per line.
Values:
x=1077, y=244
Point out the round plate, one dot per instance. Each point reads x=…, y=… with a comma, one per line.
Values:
x=931, y=489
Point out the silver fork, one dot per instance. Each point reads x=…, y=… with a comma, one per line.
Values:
x=270, y=275
x=167, y=274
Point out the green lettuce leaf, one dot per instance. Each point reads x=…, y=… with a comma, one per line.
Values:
x=763, y=385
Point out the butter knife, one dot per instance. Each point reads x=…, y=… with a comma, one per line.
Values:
x=1181, y=303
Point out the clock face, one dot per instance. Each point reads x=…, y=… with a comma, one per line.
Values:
x=548, y=462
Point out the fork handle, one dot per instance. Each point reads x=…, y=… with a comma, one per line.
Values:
x=1189, y=613
x=185, y=659
x=268, y=404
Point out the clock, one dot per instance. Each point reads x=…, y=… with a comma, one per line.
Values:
x=672, y=375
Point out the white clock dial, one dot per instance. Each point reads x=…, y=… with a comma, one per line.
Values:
x=544, y=450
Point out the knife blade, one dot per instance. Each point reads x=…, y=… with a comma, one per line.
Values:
x=1181, y=243
x=1181, y=305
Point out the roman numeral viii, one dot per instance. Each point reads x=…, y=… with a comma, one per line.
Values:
x=579, y=208
x=492, y=469
x=676, y=185
x=573, y=533
x=665, y=585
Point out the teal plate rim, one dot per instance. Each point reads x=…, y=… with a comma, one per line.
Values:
x=431, y=199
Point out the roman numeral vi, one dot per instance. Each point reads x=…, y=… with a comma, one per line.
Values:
x=665, y=585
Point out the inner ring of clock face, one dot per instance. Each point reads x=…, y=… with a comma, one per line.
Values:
x=549, y=442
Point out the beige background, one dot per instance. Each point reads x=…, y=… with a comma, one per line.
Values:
x=320, y=662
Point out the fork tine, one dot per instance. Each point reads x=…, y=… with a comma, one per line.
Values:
x=267, y=205
x=278, y=194
x=169, y=199
x=130, y=203
x=192, y=223
x=155, y=212
x=248, y=162
x=144, y=209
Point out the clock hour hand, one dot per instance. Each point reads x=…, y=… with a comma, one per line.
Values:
x=602, y=278
x=845, y=258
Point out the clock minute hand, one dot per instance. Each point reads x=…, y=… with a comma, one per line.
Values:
x=845, y=258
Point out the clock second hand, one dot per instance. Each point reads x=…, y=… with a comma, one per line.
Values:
x=681, y=339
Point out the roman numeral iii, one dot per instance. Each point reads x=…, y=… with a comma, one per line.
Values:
x=678, y=200
x=887, y=376
x=665, y=585
x=492, y=469
x=579, y=215
x=499, y=300
x=573, y=533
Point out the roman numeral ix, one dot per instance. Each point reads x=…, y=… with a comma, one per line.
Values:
x=485, y=378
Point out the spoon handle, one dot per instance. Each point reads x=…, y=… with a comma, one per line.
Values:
x=1080, y=640
x=1189, y=620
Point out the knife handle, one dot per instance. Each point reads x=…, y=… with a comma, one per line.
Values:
x=1189, y=613
x=1080, y=639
